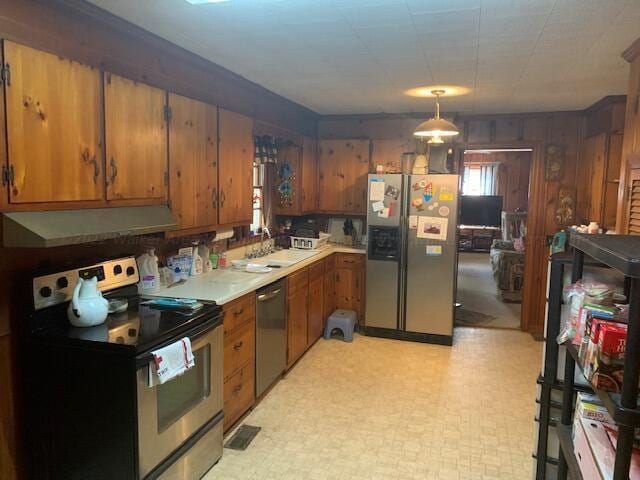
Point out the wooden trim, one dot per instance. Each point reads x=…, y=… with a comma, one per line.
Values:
x=605, y=102
x=632, y=51
x=4, y=146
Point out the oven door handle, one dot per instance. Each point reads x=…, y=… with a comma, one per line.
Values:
x=193, y=334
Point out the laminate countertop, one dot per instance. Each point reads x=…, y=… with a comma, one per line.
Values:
x=225, y=285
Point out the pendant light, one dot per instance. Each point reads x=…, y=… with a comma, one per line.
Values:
x=436, y=127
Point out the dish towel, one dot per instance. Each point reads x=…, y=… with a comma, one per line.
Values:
x=170, y=361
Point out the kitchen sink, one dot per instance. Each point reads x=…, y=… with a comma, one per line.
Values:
x=285, y=258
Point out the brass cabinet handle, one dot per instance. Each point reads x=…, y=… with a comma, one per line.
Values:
x=96, y=169
x=237, y=389
x=93, y=160
x=114, y=170
x=238, y=345
x=223, y=197
x=214, y=197
x=237, y=313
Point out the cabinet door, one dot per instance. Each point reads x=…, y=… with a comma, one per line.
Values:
x=343, y=169
x=136, y=132
x=235, y=171
x=597, y=180
x=54, y=128
x=193, y=162
x=329, y=289
x=297, y=314
x=309, y=189
x=349, y=290
x=291, y=156
x=316, y=301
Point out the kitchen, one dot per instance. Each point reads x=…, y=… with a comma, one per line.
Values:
x=121, y=134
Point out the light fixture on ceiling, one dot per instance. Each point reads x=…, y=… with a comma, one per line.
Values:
x=436, y=127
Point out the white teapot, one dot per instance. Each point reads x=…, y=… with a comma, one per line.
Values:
x=87, y=307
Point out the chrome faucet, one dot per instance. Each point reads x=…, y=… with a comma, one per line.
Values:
x=262, y=250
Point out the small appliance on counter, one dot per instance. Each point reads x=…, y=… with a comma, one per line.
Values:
x=87, y=389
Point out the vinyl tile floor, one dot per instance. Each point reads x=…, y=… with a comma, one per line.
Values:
x=387, y=409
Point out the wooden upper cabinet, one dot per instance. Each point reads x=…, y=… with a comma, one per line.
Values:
x=309, y=187
x=343, y=169
x=193, y=162
x=290, y=155
x=136, y=139
x=235, y=171
x=54, y=128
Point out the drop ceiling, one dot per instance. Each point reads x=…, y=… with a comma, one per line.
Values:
x=359, y=56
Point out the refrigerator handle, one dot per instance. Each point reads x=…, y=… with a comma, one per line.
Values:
x=404, y=224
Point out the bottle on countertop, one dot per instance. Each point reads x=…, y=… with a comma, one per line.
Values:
x=214, y=257
x=222, y=260
x=149, y=272
x=196, y=260
x=203, y=253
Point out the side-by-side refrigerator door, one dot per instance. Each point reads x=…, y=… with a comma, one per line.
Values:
x=384, y=246
x=432, y=253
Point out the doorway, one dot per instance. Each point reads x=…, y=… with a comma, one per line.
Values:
x=492, y=229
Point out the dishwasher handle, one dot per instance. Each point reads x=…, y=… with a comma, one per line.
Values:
x=268, y=296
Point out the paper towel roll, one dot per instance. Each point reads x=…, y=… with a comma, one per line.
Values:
x=223, y=234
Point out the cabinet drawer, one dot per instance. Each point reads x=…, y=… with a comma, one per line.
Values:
x=238, y=312
x=297, y=281
x=349, y=260
x=316, y=270
x=239, y=394
x=239, y=348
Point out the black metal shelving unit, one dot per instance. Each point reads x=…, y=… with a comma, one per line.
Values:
x=622, y=253
x=548, y=380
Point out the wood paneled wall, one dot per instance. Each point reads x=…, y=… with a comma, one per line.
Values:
x=80, y=31
x=631, y=141
x=536, y=130
x=513, y=176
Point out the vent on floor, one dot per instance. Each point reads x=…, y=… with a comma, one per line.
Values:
x=242, y=438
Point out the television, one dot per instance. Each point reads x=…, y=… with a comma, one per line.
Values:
x=481, y=210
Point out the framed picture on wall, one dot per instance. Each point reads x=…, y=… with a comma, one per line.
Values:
x=565, y=213
x=554, y=162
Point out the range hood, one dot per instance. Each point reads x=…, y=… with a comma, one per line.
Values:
x=70, y=227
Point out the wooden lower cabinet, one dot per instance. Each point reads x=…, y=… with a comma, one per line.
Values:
x=315, y=320
x=239, y=394
x=297, y=315
x=349, y=286
x=239, y=357
x=329, y=304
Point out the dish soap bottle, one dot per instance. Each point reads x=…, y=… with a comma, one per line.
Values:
x=196, y=260
x=149, y=272
x=213, y=257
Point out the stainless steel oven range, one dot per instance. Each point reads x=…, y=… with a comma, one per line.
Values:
x=91, y=410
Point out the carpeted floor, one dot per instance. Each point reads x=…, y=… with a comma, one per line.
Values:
x=481, y=306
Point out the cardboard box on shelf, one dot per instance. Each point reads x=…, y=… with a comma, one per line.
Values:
x=590, y=407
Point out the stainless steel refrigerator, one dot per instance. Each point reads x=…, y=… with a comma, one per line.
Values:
x=412, y=256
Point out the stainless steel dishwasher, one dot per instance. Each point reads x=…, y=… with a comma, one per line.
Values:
x=271, y=335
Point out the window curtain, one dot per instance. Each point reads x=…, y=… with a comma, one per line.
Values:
x=465, y=179
x=489, y=178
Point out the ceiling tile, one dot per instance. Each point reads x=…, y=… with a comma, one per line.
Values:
x=358, y=56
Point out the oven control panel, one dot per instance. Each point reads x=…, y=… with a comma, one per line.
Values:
x=58, y=287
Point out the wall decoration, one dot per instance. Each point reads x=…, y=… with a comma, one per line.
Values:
x=554, y=156
x=284, y=184
x=565, y=213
